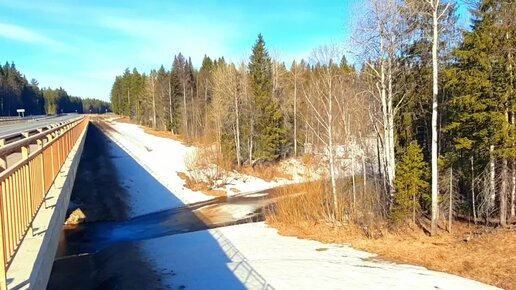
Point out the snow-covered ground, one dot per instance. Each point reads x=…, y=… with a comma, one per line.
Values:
x=249, y=256
x=164, y=159
x=254, y=256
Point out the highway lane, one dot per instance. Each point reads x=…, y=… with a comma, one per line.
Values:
x=27, y=125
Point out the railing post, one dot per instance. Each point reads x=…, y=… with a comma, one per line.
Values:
x=25, y=155
x=49, y=138
x=42, y=166
x=3, y=268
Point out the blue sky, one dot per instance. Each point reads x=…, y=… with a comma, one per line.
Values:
x=83, y=45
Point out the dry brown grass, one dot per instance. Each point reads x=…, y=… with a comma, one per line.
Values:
x=312, y=202
x=267, y=173
x=301, y=202
x=200, y=186
x=470, y=251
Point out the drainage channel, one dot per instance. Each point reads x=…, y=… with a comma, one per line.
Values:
x=103, y=252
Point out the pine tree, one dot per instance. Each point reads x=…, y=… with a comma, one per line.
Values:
x=268, y=121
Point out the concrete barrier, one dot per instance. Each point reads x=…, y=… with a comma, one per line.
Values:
x=32, y=265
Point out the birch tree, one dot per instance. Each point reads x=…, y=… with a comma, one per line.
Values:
x=437, y=9
x=379, y=39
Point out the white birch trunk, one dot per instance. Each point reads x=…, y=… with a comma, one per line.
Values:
x=390, y=128
x=331, y=152
x=513, y=189
x=153, y=79
x=435, y=90
x=503, y=194
x=295, y=114
x=237, y=116
x=353, y=178
x=386, y=140
x=492, y=176
x=473, y=196
x=185, y=110
x=450, y=209
x=170, y=107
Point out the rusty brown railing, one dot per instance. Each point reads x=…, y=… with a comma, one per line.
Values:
x=24, y=184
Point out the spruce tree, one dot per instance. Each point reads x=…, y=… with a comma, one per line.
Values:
x=410, y=183
x=268, y=120
x=481, y=81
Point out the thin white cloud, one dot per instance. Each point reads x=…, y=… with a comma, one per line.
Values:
x=157, y=41
x=18, y=33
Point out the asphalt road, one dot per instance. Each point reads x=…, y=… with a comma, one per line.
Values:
x=28, y=125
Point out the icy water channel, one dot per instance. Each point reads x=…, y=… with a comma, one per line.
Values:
x=104, y=252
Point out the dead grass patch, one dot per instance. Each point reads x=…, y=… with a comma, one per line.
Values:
x=200, y=186
x=475, y=252
x=312, y=202
x=267, y=173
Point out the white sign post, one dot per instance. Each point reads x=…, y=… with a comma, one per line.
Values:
x=21, y=113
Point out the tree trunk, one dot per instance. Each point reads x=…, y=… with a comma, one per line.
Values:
x=492, y=177
x=237, y=116
x=473, y=197
x=251, y=132
x=192, y=123
x=513, y=188
x=503, y=194
x=128, y=105
x=435, y=91
x=295, y=114
x=364, y=176
x=153, y=102
x=170, y=107
x=206, y=106
x=386, y=131
x=512, y=124
x=185, y=110
x=353, y=181
x=450, y=207
x=390, y=124
x=330, y=151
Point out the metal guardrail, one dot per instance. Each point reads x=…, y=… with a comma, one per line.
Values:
x=11, y=120
x=9, y=138
x=18, y=138
x=2, y=119
x=24, y=185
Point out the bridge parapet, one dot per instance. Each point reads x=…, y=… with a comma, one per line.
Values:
x=25, y=184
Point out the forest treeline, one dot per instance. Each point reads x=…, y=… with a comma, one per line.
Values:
x=18, y=93
x=423, y=125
